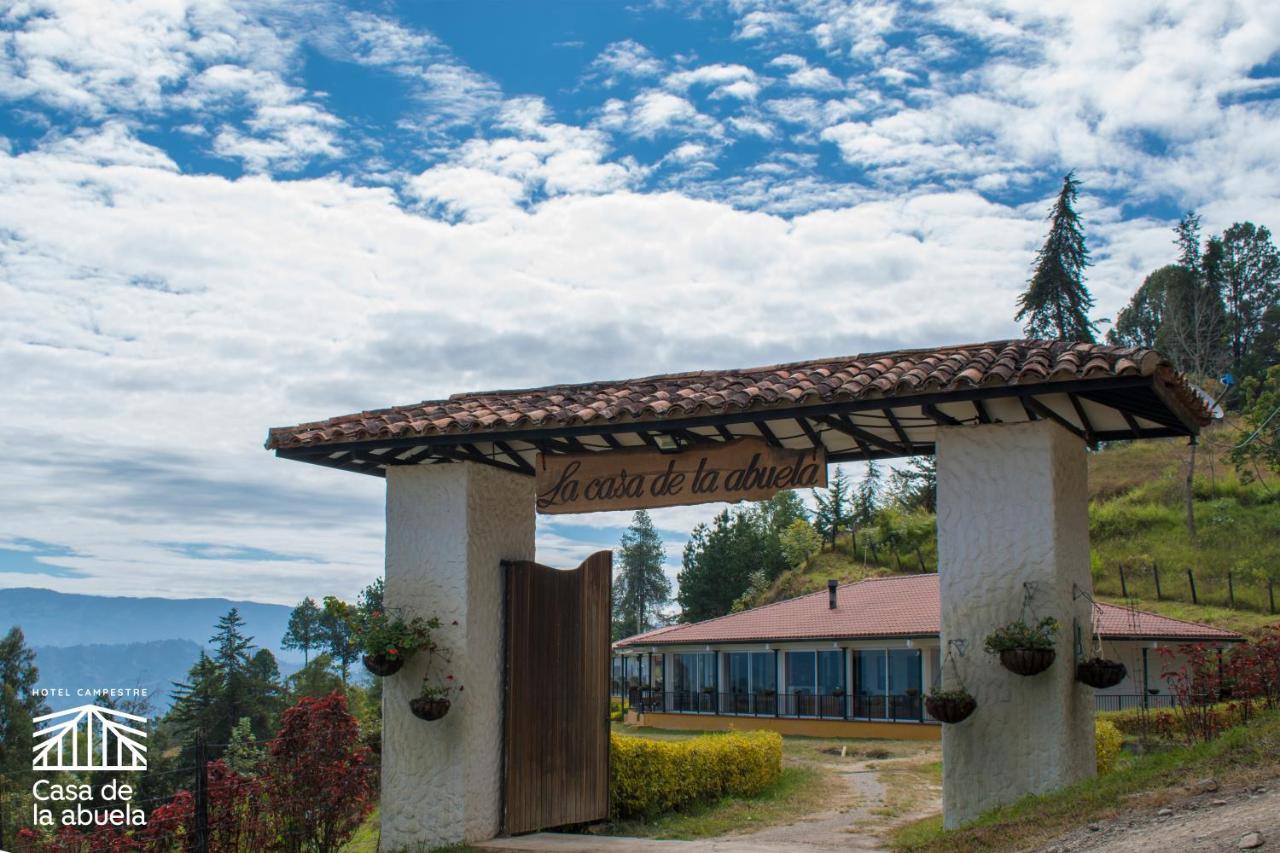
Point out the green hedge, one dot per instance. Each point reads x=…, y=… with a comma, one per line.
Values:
x=651, y=776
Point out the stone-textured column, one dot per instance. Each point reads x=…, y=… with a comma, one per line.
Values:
x=1012, y=509
x=448, y=526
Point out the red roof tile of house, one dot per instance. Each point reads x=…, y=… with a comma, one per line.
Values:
x=902, y=606
x=822, y=381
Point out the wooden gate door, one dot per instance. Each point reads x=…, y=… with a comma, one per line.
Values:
x=557, y=704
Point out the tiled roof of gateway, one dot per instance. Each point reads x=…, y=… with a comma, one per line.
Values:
x=656, y=398
x=905, y=606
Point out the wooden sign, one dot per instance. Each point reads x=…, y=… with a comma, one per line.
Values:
x=746, y=469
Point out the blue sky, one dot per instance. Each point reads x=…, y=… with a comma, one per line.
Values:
x=220, y=216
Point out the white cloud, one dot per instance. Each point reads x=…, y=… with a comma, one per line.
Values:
x=623, y=59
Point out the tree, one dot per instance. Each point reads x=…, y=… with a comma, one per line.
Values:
x=244, y=755
x=800, y=542
x=315, y=679
x=1194, y=328
x=1251, y=272
x=197, y=703
x=18, y=677
x=916, y=486
x=867, y=497
x=718, y=561
x=641, y=587
x=771, y=519
x=1056, y=302
x=239, y=696
x=303, y=631
x=1141, y=323
x=320, y=784
x=336, y=633
x=1260, y=447
x=835, y=509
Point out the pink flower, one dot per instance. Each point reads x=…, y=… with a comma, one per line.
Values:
x=392, y=652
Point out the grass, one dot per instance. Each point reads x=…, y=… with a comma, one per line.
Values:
x=801, y=789
x=1035, y=820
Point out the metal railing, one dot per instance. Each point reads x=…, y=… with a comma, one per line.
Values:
x=1131, y=701
x=902, y=707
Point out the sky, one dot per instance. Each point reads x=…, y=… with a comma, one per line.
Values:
x=217, y=217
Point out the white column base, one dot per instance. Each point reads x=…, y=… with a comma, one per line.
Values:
x=448, y=526
x=1013, y=509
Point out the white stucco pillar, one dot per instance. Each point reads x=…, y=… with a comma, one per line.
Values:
x=448, y=526
x=1012, y=509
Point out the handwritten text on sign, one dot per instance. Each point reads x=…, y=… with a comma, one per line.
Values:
x=747, y=469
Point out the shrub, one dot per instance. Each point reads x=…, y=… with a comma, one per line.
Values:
x=1106, y=744
x=651, y=776
x=1020, y=635
x=615, y=709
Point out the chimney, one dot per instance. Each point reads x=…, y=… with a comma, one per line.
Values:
x=831, y=594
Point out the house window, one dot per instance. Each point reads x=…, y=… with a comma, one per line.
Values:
x=888, y=684
x=811, y=675
x=739, y=672
x=764, y=672
x=695, y=681
x=802, y=673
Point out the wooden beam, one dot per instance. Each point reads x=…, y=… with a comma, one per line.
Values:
x=515, y=457
x=1084, y=420
x=767, y=433
x=983, y=416
x=897, y=428
x=1058, y=419
x=612, y=440
x=1133, y=424
x=725, y=432
x=850, y=429
x=811, y=433
x=940, y=417
x=1032, y=414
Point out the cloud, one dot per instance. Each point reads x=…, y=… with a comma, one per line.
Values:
x=625, y=59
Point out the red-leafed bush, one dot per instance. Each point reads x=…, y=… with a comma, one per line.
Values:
x=319, y=782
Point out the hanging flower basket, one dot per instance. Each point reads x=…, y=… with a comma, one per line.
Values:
x=429, y=709
x=1100, y=673
x=383, y=665
x=1027, y=661
x=950, y=706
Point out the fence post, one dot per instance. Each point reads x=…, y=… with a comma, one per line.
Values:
x=898, y=559
x=1155, y=571
x=1124, y=587
x=201, y=844
x=1191, y=579
x=1231, y=590
x=920, y=560
x=1271, y=594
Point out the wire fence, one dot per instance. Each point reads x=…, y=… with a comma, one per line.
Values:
x=1165, y=583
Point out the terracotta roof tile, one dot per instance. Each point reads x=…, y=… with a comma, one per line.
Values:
x=901, y=606
x=653, y=398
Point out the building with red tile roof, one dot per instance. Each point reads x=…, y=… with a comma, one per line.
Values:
x=856, y=659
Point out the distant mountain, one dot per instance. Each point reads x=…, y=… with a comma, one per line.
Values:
x=153, y=665
x=59, y=619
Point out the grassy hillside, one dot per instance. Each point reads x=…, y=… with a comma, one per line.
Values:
x=1137, y=522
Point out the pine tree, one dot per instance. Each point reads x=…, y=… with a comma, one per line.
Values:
x=303, y=631
x=866, y=500
x=1056, y=302
x=197, y=704
x=835, y=508
x=244, y=755
x=640, y=588
x=916, y=486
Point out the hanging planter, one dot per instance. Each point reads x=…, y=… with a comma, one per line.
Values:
x=950, y=706
x=425, y=708
x=1100, y=673
x=1025, y=649
x=383, y=664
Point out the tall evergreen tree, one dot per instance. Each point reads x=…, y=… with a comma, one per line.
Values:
x=1251, y=270
x=303, y=630
x=916, y=486
x=835, y=507
x=718, y=561
x=1056, y=302
x=640, y=588
x=867, y=497
x=197, y=704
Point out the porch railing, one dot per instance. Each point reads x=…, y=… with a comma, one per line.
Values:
x=1131, y=701
x=822, y=706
